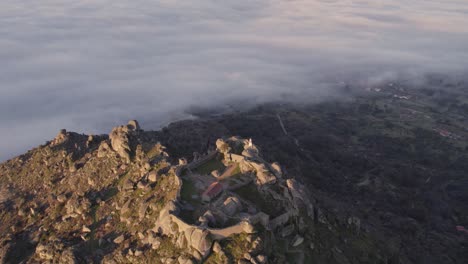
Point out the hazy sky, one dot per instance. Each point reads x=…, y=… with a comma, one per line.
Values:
x=87, y=65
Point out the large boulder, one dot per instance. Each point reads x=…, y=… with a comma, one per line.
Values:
x=200, y=240
x=133, y=125
x=120, y=138
x=222, y=146
x=153, y=176
x=103, y=149
x=264, y=176
x=142, y=210
x=120, y=142
x=275, y=166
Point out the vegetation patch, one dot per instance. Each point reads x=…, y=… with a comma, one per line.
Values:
x=209, y=166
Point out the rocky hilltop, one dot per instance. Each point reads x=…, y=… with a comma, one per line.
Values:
x=381, y=179
x=121, y=198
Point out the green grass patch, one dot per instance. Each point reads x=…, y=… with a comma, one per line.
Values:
x=123, y=177
x=236, y=246
x=250, y=192
x=188, y=190
x=237, y=171
x=167, y=248
x=187, y=216
x=209, y=166
x=216, y=259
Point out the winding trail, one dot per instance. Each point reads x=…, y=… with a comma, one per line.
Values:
x=281, y=124
x=286, y=132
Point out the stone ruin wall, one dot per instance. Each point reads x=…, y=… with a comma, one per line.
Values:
x=197, y=237
x=201, y=238
x=202, y=160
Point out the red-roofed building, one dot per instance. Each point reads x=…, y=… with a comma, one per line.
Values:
x=212, y=191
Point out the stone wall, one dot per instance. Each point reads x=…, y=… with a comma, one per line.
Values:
x=242, y=227
x=200, y=238
x=178, y=180
x=196, y=237
x=196, y=163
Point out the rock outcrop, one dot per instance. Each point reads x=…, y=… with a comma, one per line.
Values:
x=120, y=199
x=120, y=139
x=61, y=137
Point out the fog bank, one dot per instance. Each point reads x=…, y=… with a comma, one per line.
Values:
x=89, y=65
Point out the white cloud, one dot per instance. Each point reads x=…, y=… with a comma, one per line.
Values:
x=88, y=65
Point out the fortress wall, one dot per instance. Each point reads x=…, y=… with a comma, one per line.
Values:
x=228, y=231
x=192, y=232
x=238, y=185
x=178, y=181
x=215, y=233
x=183, y=227
x=202, y=160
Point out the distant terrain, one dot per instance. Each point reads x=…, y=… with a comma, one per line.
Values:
x=379, y=176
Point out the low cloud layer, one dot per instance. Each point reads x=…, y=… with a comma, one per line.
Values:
x=91, y=64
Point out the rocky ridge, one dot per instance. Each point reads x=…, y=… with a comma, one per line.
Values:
x=121, y=198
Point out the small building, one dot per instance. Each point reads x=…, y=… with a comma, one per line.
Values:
x=212, y=191
x=231, y=206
